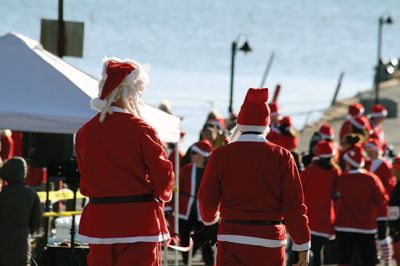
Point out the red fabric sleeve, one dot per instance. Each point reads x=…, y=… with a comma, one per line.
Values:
x=209, y=192
x=293, y=208
x=159, y=168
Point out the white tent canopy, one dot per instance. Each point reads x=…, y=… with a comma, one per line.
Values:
x=40, y=92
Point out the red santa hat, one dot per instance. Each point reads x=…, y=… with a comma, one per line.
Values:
x=274, y=108
x=360, y=122
x=254, y=114
x=286, y=121
x=378, y=111
x=396, y=163
x=356, y=109
x=355, y=157
x=326, y=131
x=116, y=73
x=126, y=74
x=325, y=149
x=203, y=147
x=374, y=143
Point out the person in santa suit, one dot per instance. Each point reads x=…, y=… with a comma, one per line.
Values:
x=124, y=172
x=360, y=125
x=378, y=165
x=275, y=117
x=394, y=211
x=251, y=186
x=355, y=110
x=189, y=182
x=319, y=180
x=360, y=213
x=376, y=118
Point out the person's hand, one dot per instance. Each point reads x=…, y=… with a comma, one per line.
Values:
x=1, y=184
x=206, y=236
x=303, y=258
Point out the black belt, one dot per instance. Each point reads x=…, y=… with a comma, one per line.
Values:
x=252, y=222
x=125, y=199
x=251, y=133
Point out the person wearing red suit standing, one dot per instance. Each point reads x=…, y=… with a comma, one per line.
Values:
x=124, y=172
x=189, y=182
x=360, y=213
x=394, y=211
x=355, y=110
x=378, y=165
x=251, y=186
x=275, y=119
x=319, y=180
x=376, y=117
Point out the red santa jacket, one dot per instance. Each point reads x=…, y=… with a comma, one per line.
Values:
x=187, y=192
x=252, y=179
x=361, y=203
x=380, y=134
x=122, y=157
x=381, y=168
x=319, y=187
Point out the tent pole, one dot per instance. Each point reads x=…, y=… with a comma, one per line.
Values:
x=176, y=191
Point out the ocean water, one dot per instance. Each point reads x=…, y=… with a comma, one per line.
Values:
x=186, y=44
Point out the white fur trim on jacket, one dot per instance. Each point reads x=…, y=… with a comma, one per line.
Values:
x=355, y=230
x=236, y=132
x=302, y=247
x=116, y=240
x=254, y=241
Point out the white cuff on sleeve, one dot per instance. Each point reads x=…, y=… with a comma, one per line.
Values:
x=302, y=247
x=216, y=219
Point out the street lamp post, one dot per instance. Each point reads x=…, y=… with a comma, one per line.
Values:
x=382, y=20
x=244, y=48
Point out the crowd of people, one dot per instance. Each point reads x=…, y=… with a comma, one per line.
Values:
x=243, y=184
x=349, y=185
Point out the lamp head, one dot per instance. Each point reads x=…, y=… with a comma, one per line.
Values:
x=245, y=47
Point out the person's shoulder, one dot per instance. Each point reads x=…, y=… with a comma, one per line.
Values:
x=93, y=121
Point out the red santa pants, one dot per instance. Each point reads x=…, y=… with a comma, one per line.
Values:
x=240, y=254
x=130, y=254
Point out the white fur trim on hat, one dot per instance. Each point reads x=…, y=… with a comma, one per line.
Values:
x=347, y=158
x=355, y=123
x=326, y=136
x=200, y=151
x=98, y=104
x=379, y=114
x=326, y=155
x=244, y=128
x=373, y=146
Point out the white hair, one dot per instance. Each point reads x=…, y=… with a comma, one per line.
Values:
x=130, y=90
